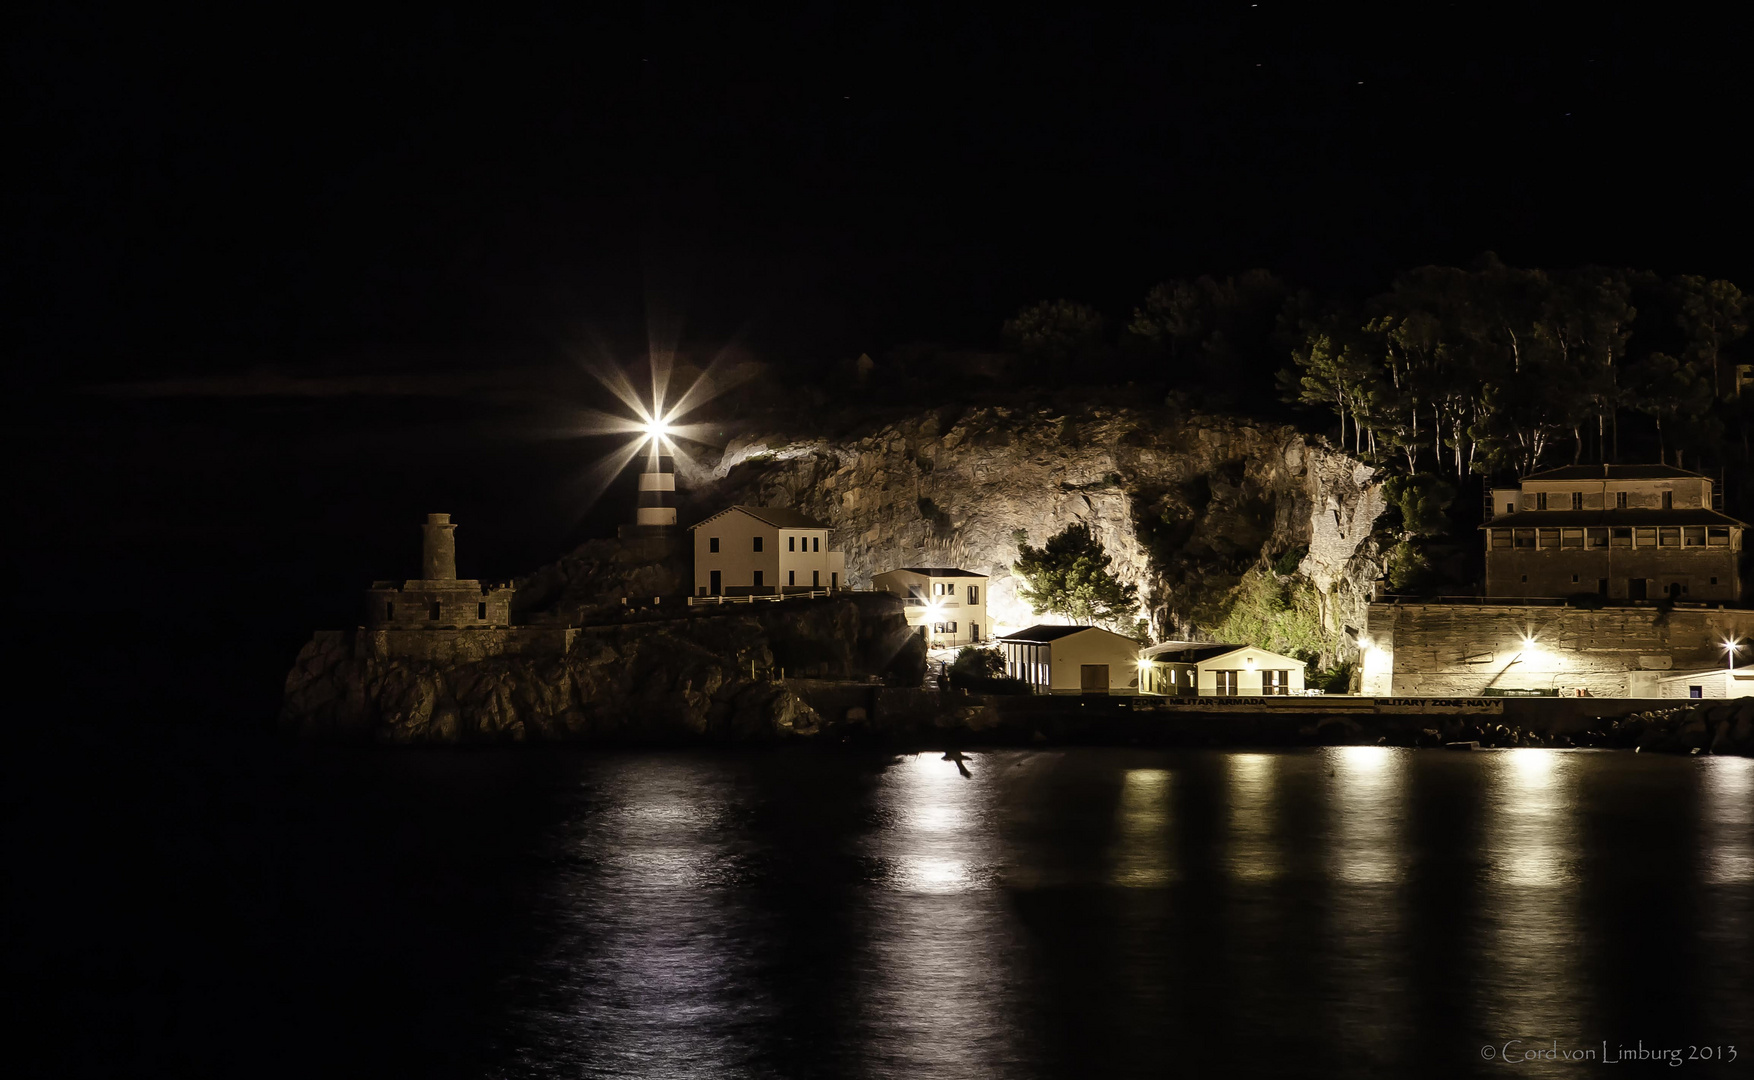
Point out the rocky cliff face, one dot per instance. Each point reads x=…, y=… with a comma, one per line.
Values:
x=705, y=677
x=1189, y=506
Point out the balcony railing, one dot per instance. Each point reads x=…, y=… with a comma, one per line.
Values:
x=801, y=594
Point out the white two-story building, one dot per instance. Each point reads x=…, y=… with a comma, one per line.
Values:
x=764, y=551
x=949, y=604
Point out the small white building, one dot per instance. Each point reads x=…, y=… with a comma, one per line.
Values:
x=949, y=605
x=1072, y=660
x=1721, y=683
x=1177, y=668
x=764, y=551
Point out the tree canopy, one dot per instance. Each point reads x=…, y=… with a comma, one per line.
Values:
x=1070, y=576
x=1495, y=369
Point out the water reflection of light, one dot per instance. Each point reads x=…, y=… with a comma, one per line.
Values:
x=1729, y=819
x=1254, y=851
x=1141, y=856
x=1365, y=759
x=1533, y=766
x=944, y=1002
x=1365, y=796
x=1535, y=845
x=932, y=846
x=645, y=917
x=1532, y=839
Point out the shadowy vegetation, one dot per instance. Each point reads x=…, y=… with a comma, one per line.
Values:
x=983, y=671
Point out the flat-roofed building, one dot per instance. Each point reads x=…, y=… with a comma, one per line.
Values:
x=949, y=604
x=1621, y=532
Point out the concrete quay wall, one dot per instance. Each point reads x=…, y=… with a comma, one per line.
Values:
x=1413, y=649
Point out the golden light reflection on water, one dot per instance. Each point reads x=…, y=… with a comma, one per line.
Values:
x=1729, y=820
x=1142, y=854
x=1253, y=851
x=1529, y=967
x=936, y=844
x=1365, y=862
x=1533, y=841
x=1366, y=795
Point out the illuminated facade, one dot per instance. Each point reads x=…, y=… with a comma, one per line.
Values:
x=764, y=551
x=948, y=604
x=1072, y=660
x=1471, y=649
x=1618, y=532
x=1183, y=668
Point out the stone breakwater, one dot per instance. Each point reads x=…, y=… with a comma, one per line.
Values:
x=697, y=679
x=973, y=720
x=1185, y=503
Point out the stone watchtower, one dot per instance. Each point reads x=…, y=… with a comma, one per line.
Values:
x=442, y=618
x=438, y=599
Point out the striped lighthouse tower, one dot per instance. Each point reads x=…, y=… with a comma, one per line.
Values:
x=657, y=489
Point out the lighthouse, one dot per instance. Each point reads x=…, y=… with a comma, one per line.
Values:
x=657, y=488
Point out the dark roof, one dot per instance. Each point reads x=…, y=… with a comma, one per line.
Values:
x=939, y=571
x=1615, y=472
x=1042, y=633
x=1551, y=519
x=780, y=517
x=1183, y=653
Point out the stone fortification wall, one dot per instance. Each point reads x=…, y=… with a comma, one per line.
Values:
x=1464, y=649
x=463, y=645
x=438, y=603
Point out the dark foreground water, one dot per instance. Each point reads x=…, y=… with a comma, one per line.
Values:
x=254, y=910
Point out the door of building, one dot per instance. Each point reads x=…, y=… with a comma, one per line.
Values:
x=717, y=586
x=1602, y=586
x=1093, y=678
x=1635, y=589
x=758, y=578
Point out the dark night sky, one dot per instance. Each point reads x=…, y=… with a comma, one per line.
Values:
x=202, y=194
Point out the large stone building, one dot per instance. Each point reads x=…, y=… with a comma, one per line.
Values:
x=1621, y=532
x=947, y=604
